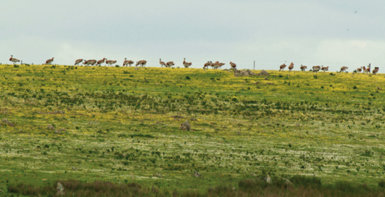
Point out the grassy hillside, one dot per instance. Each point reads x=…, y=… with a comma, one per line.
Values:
x=123, y=125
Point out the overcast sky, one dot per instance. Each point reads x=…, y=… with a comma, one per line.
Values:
x=271, y=32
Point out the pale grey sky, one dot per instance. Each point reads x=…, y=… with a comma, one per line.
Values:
x=310, y=32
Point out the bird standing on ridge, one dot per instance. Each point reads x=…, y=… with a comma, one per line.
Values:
x=141, y=63
x=233, y=65
x=89, y=62
x=170, y=64
x=217, y=64
x=325, y=68
x=14, y=60
x=343, y=69
x=303, y=67
x=375, y=70
x=291, y=66
x=78, y=61
x=110, y=62
x=127, y=62
x=316, y=68
x=100, y=62
x=207, y=64
x=186, y=64
x=367, y=69
x=49, y=61
x=162, y=63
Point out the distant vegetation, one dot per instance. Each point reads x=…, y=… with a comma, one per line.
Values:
x=125, y=128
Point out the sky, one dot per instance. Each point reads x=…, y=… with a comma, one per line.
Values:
x=270, y=32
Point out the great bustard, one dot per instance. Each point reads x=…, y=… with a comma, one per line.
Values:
x=141, y=63
x=233, y=65
x=127, y=62
x=110, y=62
x=186, y=64
x=162, y=63
x=49, y=61
x=170, y=64
x=100, y=62
x=14, y=60
x=78, y=61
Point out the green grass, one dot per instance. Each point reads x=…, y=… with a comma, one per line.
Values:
x=122, y=125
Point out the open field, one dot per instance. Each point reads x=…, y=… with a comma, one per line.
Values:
x=122, y=125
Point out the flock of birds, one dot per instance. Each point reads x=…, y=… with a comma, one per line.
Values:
x=127, y=62
x=91, y=62
x=214, y=65
x=326, y=68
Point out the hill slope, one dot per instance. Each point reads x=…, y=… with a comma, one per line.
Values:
x=122, y=124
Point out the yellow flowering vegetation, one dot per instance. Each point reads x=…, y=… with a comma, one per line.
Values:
x=124, y=125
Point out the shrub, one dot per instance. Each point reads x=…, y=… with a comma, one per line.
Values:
x=382, y=184
x=306, y=181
